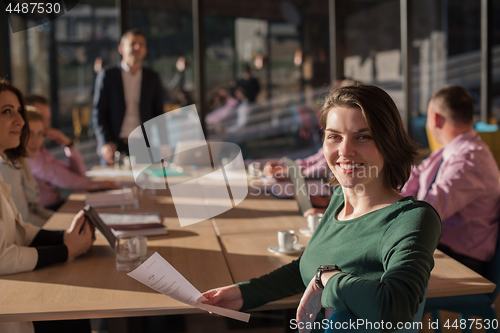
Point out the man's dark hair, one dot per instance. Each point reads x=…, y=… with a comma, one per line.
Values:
x=456, y=103
x=131, y=32
x=31, y=99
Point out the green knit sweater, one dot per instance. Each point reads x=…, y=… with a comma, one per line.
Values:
x=385, y=257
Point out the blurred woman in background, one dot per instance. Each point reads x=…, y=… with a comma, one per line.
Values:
x=25, y=247
x=25, y=192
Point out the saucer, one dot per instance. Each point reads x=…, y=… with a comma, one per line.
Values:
x=306, y=231
x=296, y=248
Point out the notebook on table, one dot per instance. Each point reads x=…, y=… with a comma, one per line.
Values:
x=112, y=198
x=132, y=221
x=141, y=224
x=125, y=224
x=148, y=232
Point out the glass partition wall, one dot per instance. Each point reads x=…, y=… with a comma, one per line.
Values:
x=59, y=60
x=266, y=64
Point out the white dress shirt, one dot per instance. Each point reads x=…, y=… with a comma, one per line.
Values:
x=132, y=91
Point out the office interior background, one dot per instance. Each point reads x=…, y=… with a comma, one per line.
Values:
x=295, y=49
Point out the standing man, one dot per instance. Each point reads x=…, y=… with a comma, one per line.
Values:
x=126, y=96
x=460, y=180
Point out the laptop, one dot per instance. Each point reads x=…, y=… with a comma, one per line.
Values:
x=196, y=153
x=300, y=190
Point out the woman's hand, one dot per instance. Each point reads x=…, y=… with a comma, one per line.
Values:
x=57, y=136
x=310, y=305
x=78, y=242
x=228, y=297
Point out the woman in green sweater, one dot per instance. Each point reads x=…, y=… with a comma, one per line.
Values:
x=378, y=245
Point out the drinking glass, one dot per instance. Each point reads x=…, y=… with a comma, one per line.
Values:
x=128, y=256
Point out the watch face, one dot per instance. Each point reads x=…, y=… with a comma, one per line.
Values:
x=328, y=267
x=321, y=269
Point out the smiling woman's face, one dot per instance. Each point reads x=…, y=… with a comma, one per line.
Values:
x=349, y=149
x=11, y=121
x=35, y=141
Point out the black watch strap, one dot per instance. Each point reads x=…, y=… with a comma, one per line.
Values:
x=324, y=268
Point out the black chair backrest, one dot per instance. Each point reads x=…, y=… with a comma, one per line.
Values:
x=493, y=271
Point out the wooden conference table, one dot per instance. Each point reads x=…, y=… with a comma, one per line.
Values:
x=229, y=248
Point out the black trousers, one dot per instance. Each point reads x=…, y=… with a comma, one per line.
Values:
x=476, y=265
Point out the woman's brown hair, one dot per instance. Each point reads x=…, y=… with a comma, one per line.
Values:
x=386, y=127
x=13, y=154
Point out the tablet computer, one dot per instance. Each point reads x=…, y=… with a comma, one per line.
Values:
x=92, y=217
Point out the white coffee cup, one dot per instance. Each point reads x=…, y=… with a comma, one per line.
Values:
x=286, y=240
x=313, y=221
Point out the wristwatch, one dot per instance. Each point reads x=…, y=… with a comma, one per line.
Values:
x=324, y=268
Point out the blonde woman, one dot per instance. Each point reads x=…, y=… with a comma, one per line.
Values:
x=25, y=191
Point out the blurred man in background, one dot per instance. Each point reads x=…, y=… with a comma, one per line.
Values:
x=126, y=96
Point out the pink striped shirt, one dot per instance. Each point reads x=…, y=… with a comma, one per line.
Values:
x=52, y=173
x=466, y=194
x=314, y=165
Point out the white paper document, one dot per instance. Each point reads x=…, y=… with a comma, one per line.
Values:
x=130, y=219
x=158, y=274
x=111, y=198
x=109, y=173
x=141, y=232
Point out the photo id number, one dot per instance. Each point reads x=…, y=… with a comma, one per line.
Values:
x=471, y=323
x=33, y=7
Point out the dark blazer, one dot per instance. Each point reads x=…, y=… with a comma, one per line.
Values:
x=109, y=103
